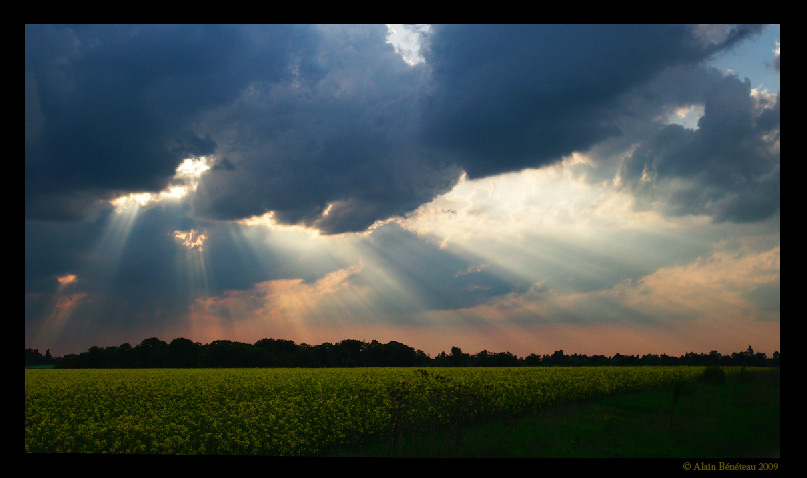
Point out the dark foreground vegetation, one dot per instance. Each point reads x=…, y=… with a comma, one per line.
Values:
x=717, y=417
x=184, y=353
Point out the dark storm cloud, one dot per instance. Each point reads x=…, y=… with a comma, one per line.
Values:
x=346, y=141
x=309, y=119
x=374, y=137
x=111, y=108
x=727, y=168
x=509, y=97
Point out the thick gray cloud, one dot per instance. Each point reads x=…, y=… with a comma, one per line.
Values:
x=308, y=119
x=506, y=98
x=727, y=168
x=346, y=141
x=111, y=108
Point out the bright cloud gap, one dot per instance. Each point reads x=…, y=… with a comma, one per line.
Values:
x=406, y=40
x=185, y=181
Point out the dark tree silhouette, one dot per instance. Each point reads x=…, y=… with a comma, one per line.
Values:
x=184, y=353
x=269, y=352
x=33, y=357
x=152, y=353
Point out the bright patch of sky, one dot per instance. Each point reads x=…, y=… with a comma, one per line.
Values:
x=756, y=59
x=185, y=181
x=66, y=279
x=406, y=40
x=191, y=239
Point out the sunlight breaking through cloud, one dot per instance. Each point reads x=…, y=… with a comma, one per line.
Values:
x=406, y=39
x=185, y=181
x=66, y=279
x=486, y=186
x=191, y=239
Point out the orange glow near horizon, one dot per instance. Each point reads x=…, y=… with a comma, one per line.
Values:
x=673, y=310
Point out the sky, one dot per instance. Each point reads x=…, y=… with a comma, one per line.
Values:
x=596, y=189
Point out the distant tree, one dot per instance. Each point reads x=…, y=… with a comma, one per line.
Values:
x=458, y=358
x=715, y=357
x=532, y=360
x=226, y=353
x=598, y=360
x=307, y=356
x=481, y=359
x=353, y=352
x=624, y=360
x=651, y=359
x=441, y=360
x=558, y=358
x=277, y=352
x=760, y=359
x=396, y=354
x=152, y=353
x=277, y=345
x=184, y=353
x=503, y=359
x=34, y=357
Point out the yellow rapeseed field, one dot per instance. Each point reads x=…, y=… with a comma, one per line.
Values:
x=294, y=411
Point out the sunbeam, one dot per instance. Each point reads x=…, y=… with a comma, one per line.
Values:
x=118, y=227
x=64, y=303
x=487, y=185
x=191, y=263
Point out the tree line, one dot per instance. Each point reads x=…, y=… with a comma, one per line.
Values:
x=184, y=353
